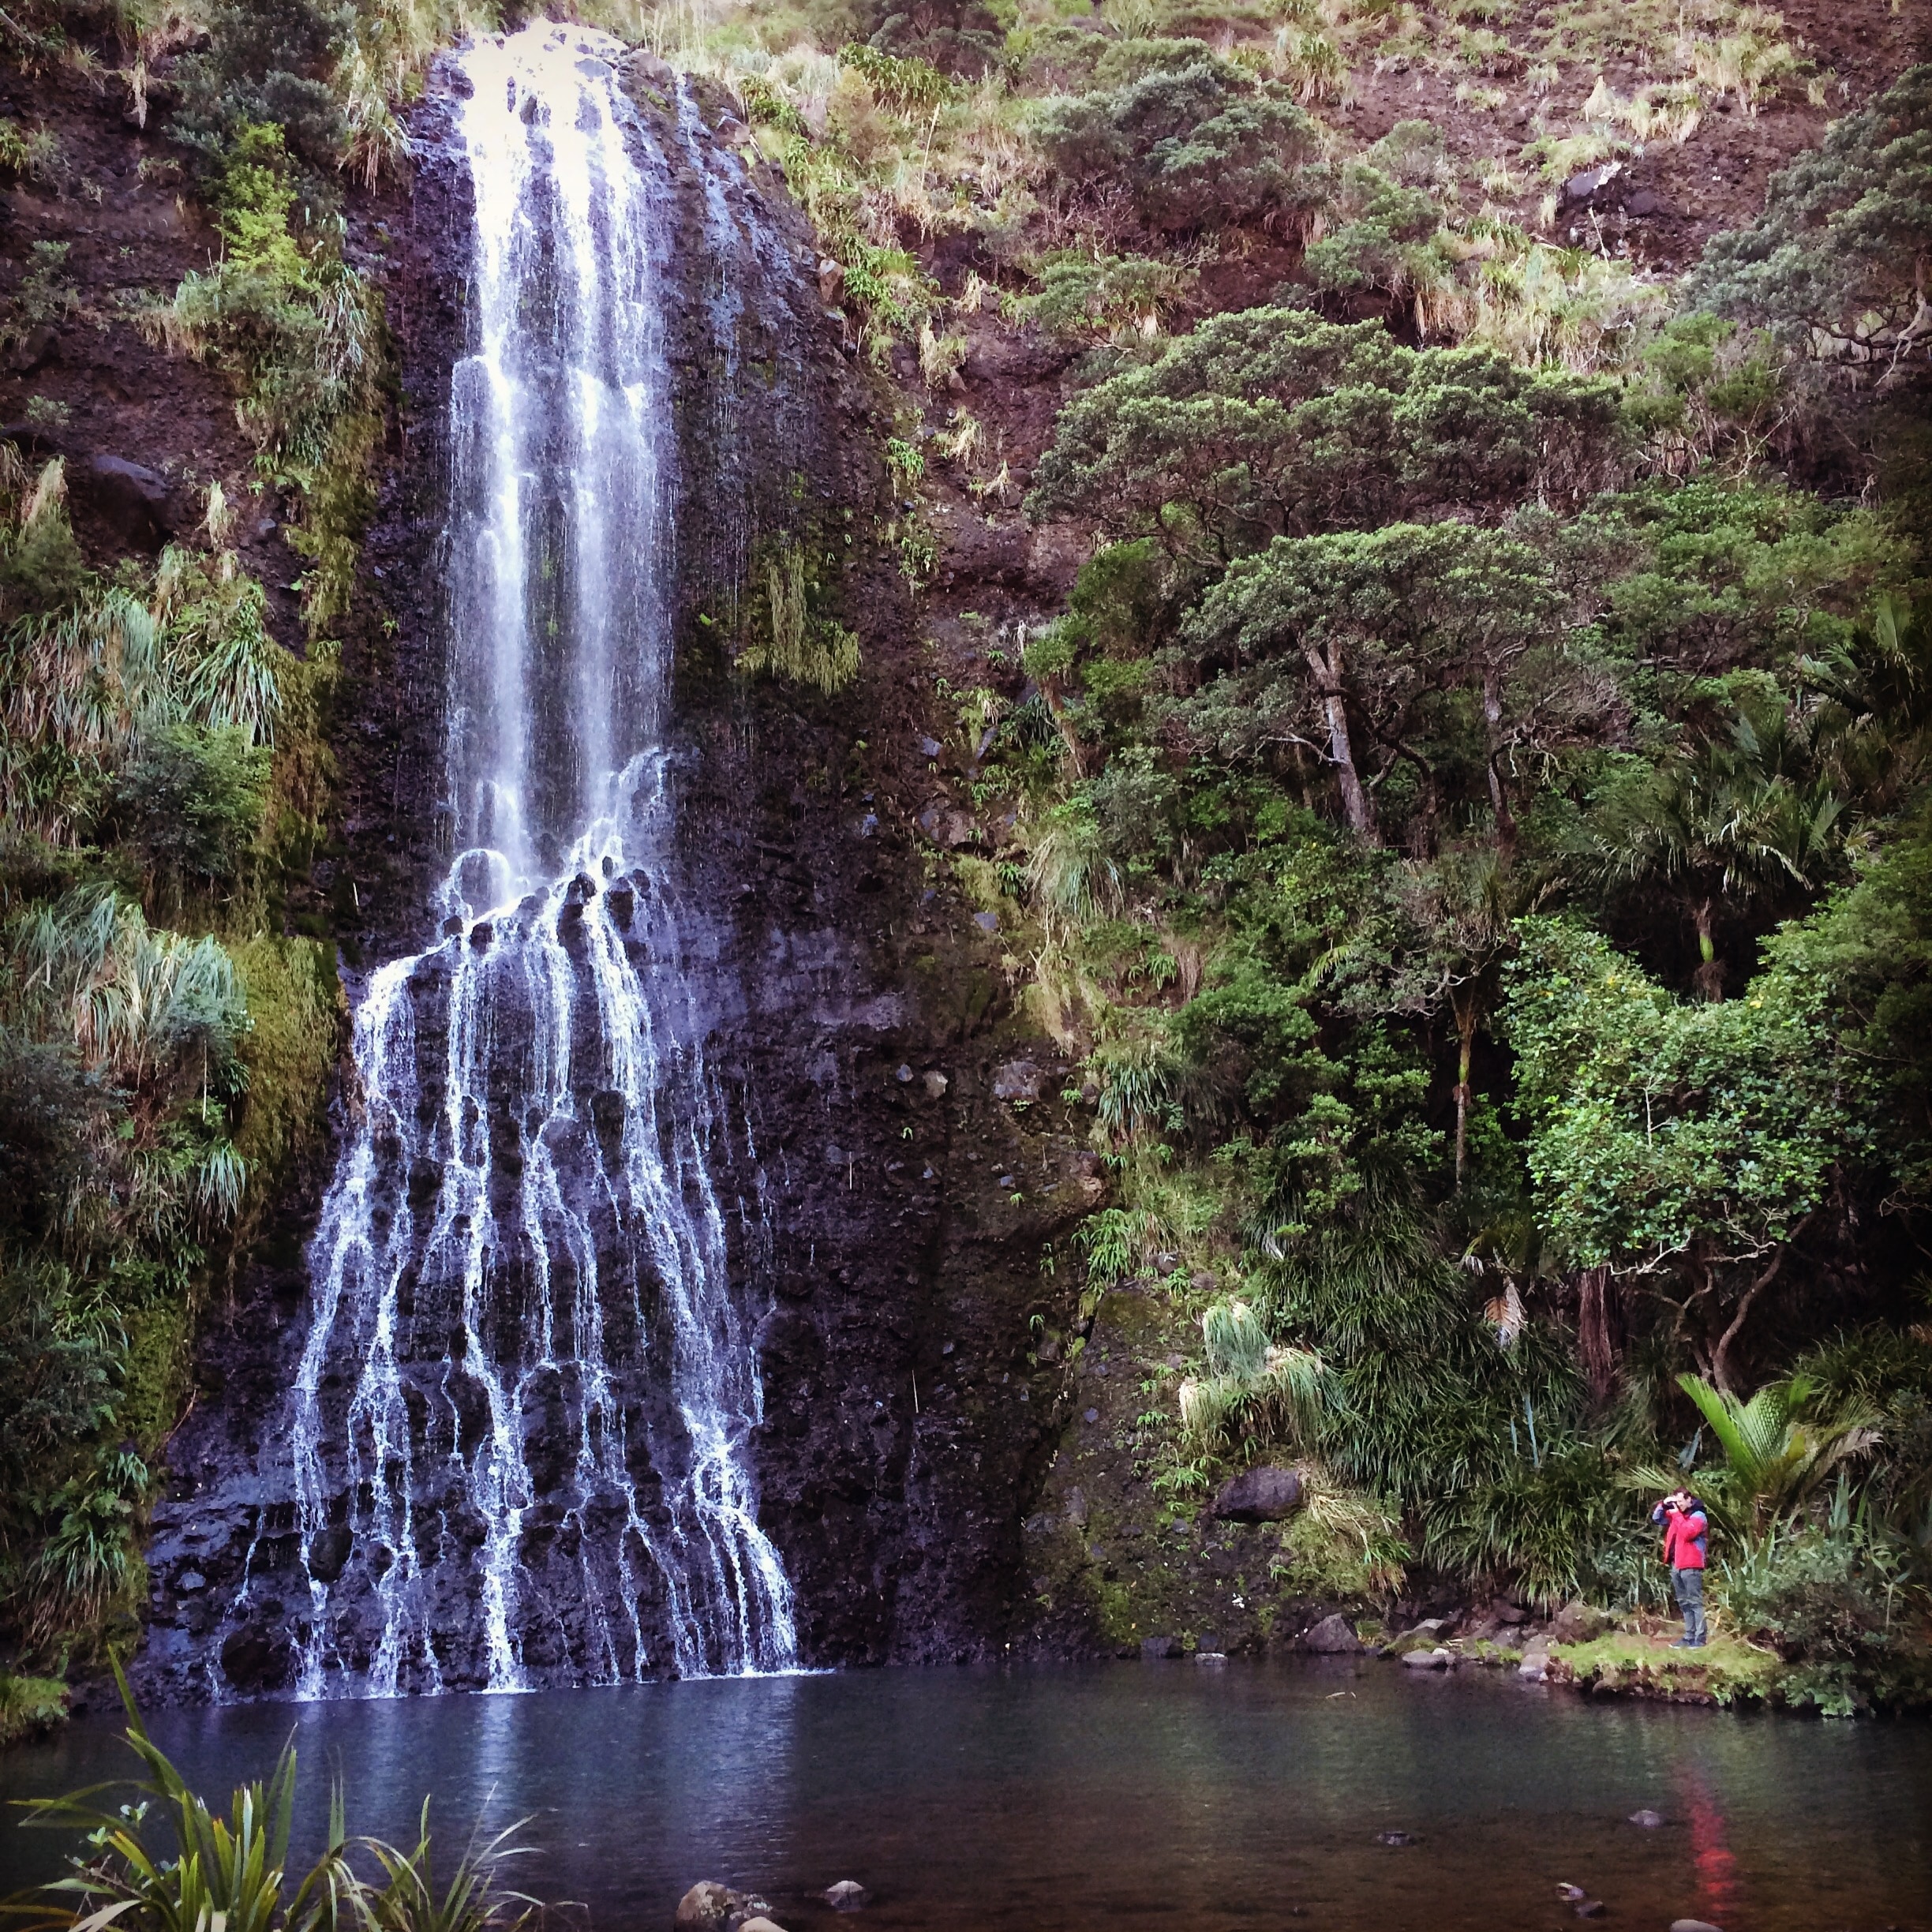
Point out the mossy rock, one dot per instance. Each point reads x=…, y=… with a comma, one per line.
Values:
x=1725, y=1670
x=30, y=1705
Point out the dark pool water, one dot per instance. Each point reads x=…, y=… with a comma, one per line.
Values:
x=1164, y=1796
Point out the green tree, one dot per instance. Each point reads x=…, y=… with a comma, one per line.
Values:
x=190, y=804
x=1196, y=139
x=1868, y=950
x=1325, y=638
x=268, y=63
x=1683, y=1146
x=1272, y=422
x=1835, y=266
x=1779, y=1448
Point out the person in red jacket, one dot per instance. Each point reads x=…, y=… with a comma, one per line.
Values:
x=1686, y=1533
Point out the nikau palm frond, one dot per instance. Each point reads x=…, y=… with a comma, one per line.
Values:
x=1776, y=1454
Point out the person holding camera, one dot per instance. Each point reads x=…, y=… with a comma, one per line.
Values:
x=1685, y=1535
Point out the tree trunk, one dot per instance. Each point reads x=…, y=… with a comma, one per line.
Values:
x=1708, y=979
x=1499, y=795
x=1465, y=1046
x=1720, y=1355
x=1596, y=1324
x=1327, y=674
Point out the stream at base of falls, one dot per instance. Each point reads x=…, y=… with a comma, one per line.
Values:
x=1071, y=1799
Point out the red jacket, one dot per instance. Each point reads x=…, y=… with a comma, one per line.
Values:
x=1683, y=1538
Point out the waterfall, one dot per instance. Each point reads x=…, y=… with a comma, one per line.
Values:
x=517, y=1436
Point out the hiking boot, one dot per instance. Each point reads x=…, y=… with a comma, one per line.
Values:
x=1684, y=1643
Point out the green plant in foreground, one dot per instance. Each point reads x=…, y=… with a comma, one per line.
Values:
x=231, y=1873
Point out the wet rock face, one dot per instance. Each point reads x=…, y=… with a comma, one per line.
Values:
x=893, y=1155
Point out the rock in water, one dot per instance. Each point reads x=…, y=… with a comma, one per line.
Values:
x=1428, y=1660
x=1156, y=1647
x=847, y=1895
x=1588, y=1908
x=1333, y=1636
x=1692, y=1925
x=1397, y=1838
x=1264, y=1495
x=1649, y=1820
x=710, y=1907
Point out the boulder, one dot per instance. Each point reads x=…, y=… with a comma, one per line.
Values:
x=1019, y=1079
x=1428, y=1660
x=128, y=495
x=1269, y=1494
x=1334, y=1636
x=847, y=1895
x=1578, y=1623
x=1154, y=1647
x=709, y=1906
x=328, y=1552
x=1579, y=188
x=648, y=67
x=831, y=287
x=1649, y=1820
x=1429, y=1627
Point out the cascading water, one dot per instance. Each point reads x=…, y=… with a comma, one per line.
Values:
x=518, y=1427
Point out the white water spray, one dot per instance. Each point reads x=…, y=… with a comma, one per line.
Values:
x=519, y=1425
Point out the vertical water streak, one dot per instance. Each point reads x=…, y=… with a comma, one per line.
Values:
x=516, y=1443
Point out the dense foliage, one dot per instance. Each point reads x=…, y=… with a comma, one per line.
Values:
x=1480, y=845
x=165, y=1037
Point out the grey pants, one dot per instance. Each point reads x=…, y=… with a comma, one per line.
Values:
x=1689, y=1585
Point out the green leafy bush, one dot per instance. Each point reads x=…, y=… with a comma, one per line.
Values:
x=234, y=1870
x=268, y=62
x=1198, y=142
x=189, y=803
x=1272, y=422
x=1829, y=267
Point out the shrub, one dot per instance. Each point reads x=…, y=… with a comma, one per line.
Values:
x=1086, y=294
x=299, y=330
x=190, y=803
x=1831, y=267
x=268, y=62
x=1199, y=145
x=29, y=1704
x=1272, y=420
x=798, y=646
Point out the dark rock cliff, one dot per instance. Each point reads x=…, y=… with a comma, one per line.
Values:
x=916, y=1158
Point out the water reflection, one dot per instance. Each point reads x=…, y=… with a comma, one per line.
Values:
x=1130, y=1797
